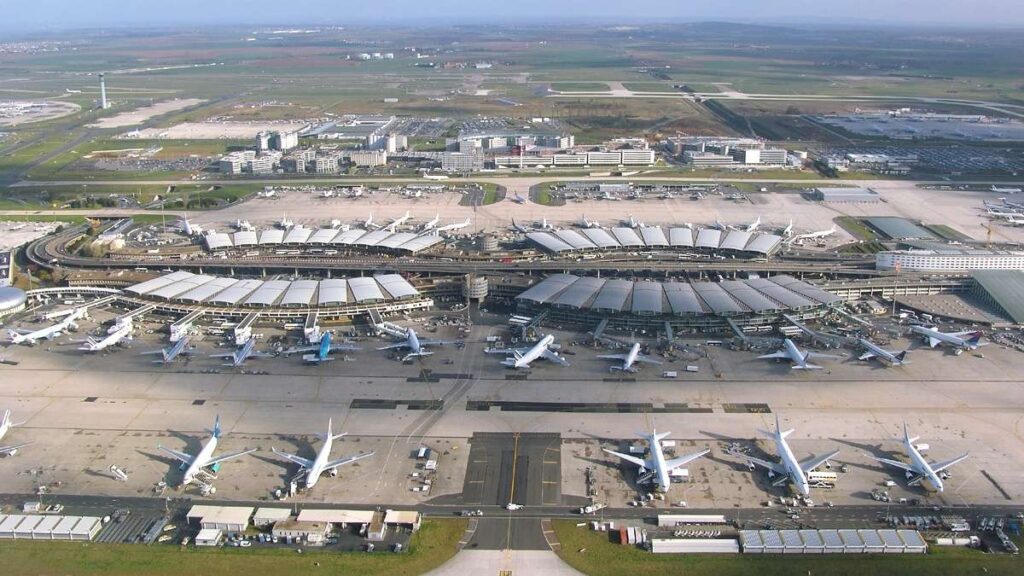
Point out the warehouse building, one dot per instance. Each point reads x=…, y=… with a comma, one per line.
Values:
x=684, y=306
x=834, y=194
x=1002, y=289
x=848, y=541
x=312, y=533
x=898, y=228
x=223, y=518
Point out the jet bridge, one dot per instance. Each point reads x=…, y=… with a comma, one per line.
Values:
x=182, y=327
x=243, y=330
x=311, y=330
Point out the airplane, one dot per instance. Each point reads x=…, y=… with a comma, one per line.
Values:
x=584, y=223
x=285, y=223
x=629, y=359
x=656, y=467
x=246, y=351
x=518, y=199
x=633, y=223
x=753, y=226
x=798, y=357
x=719, y=225
x=934, y=337
x=609, y=196
x=266, y=194
x=398, y=221
x=919, y=469
x=1014, y=221
x=544, y=225
x=322, y=350
x=314, y=468
x=327, y=194
x=434, y=177
x=413, y=193
x=124, y=333
x=430, y=225
x=1001, y=190
x=368, y=223
x=30, y=337
x=815, y=235
x=243, y=225
x=201, y=467
x=785, y=232
x=1000, y=214
x=62, y=314
x=170, y=353
x=519, y=227
x=522, y=357
x=354, y=193
x=789, y=469
x=70, y=91
x=455, y=226
x=873, y=350
x=5, y=425
x=414, y=345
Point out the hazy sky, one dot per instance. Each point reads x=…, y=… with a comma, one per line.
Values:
x=29, y=15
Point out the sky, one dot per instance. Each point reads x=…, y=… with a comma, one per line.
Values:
x=33, y=15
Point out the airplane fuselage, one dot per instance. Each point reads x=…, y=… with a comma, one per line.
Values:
x=535, y=352
x=199, y=461
x=322, y=457
x=634, y=351
x=792, y=465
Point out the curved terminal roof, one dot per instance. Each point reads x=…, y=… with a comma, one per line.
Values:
x=579, y=293
x=323, y=236
x=349, y=236
x=298, y=235
x=365, y=290
x=372, y=238
x=421, y=243
x=708, y=238
x=181, y=286
x=11, y=297
x=749, y=297
x=681, y=237
x=682, y=298
x=395, y=240
x=544, y=291
x=647, y=298
x=268, y=293
x=217, y=241
x=151, y=285
x=627, y=237
x=764, y=243
x=396, y=286
x=805, y=289
x=272, y=236
x=653, y=236
x=600, y=237
x=549, y=242
x=780, y=294
x=613, y=295
x=299, y=293
x=574, y=239
x=245, y=238
x=333, y=291
x=208, y=290
x=717, y=298
x=236, y=293
x=736, y=240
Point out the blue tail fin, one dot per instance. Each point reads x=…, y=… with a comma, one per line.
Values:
x=216, y=427
x=974, y=339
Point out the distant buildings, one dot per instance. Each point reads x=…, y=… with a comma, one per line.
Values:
x=462, y=161
x=705, y=152
x=953, y=259
x=832, y=194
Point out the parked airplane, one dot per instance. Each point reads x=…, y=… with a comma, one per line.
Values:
x=655, y=467
x=629, y=359
x=455, y=226
x=519, y=227
x=633, y=223
x=789, y=468
x=368, y=223
x=919, y=469
x=584, y=223
x=522, y=357
x=320, y=464
x=327, y=193
x=753, y=226
x=799, y=358
x=123, y=334
x=246, y=351
x=30, y=337
x=955, y=339
x=434, y=177
x=285, y=223
x=201, y=467
x=5, y=425
x=719, y=225
x=322, y=350
x=415, y=346
x=609, y=196
x=518, y=199
x=170, y=353
x=431, y=224
x=814, y=235
x=1001, y=190
x=398, y=221
x=873, y=350
x=266, y=193
x=785, y=232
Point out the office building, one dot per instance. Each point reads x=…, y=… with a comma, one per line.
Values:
x=953, y=259
x=368, y=158
x=462, y=161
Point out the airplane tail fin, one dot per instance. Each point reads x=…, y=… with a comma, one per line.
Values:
x=906, y=434
x=216, y=427
x=901, y=356
x=656, y=437
x=974, y=339
x=778, y=428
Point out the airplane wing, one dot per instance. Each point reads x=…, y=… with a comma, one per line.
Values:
x=895, y=464
x=150, y=352
x=306, y=464
x=820, y=356
x=933, y=342
x=632, y=459
x=346, y=460
x=647, y=359
x=779, y=354
x=185, y=458
x=394, y=346
x=549, y=355
x=301, y=350
x=13, y=447
x=812, y=462
x=866, y=356
x=614, y=357
x=773, y=466
x=231, y=456
x=224, y=355
x=436, y=342
x=345, y=348
x=940, y=466
x=506, y=351
x=683, y=460
x=261, y=355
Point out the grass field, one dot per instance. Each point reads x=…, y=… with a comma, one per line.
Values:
x=591, y=553
x=579, y=86
x=432, y=546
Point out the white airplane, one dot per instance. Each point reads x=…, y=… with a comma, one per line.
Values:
x=434, y=177
x=30, y=337
x=785, y=232
x=5, y=425
x=1014, y=221
x=519, y=227
x=314, y=468
x=266, y=194
x=919, y=469
x=246, y=351
x=322, y=350
x=789, y=469
x=1001, y=190
x=629, y=359
x=609, y=196
x=522, y=357
x=873, y=350
x=120, y=323
x=398, y=221
x=955, y=339
x=455, y=226
x=170, y=353
x=368, y=223
x=285, y=223
x=799, y=358
x=201, y=467
x=430, y=225
x=633, y=223
x=656, y=467
x=123, y=334
x=71, y=91
x=354, y=193
x=753, y=226
x=413, y=193
x=545, y=225
x=995, y=213
x=584, y=223
x=719, y=225
x=243, y=225
x=415, y=346
x=815, y=235
x=327, y=193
